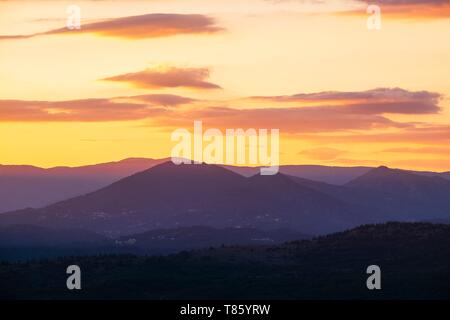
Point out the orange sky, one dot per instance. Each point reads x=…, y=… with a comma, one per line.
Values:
x=339, y=93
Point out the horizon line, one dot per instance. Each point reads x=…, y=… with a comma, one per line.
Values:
x=167, y=159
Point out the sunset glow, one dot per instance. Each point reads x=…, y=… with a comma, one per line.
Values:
x=340, y=94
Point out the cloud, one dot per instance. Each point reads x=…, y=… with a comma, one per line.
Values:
x=402, y=9
x=376, y=101
x=412, y=9
x=88, y=110
x=378, y=94
x=171, y=77
x=314, y=113
x=332, y=122
x=322, y=153
x=152, y=25
x=288, y=120
x=413, y=2
x=166, y=100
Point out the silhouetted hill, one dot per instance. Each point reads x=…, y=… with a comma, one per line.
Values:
x=28, y=186
x=445, y=175
x=414, y=259
x=168, y=196
x=385, y=194
x=23, y=186
x=123, y=167
x=171, y=196
x=401, y=195
x=327, y=174
x=302, y=207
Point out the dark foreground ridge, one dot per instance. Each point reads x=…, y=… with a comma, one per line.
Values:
x=414, y=259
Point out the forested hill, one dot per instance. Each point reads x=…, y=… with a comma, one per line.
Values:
x=414, y=259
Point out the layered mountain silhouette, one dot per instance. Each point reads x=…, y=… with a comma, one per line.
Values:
x=402, y=195
x=23, y=186
x=168, y=196
x=171, y=196
x=392, y=194
x=327, y=174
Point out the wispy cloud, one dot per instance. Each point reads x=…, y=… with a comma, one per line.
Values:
x=289, y=120
x=166, y=100
x=170, y=77
x=343, y=112
x=376, y=101
x=414, y=9
x=152, y=25
x=90, y=110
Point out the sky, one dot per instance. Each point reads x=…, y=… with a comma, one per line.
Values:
x=340, y=93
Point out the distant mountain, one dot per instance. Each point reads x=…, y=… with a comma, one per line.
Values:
x=23, y=186
x=169, y=196
x=332, y=175
x=327, y=174
x=402, y=195
x=28, y=186
x=445, y=175
x=385, y=194
x=108, y=169
x=414, y=259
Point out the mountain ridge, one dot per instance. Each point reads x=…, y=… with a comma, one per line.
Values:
x=25, y=186
x=168, y=195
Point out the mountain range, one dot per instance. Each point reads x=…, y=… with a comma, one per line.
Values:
x=23, y=186
x=171, y=196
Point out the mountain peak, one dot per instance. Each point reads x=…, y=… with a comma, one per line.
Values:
x=403, y=182
x=185, y=168
x=383, y=171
